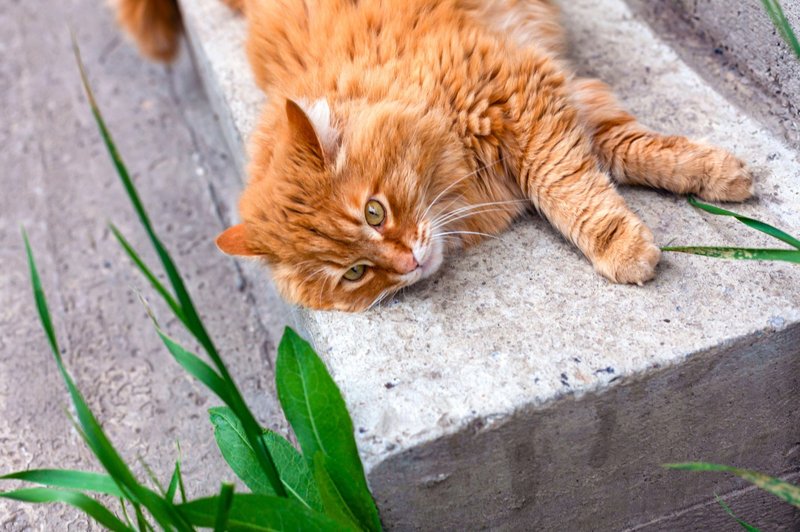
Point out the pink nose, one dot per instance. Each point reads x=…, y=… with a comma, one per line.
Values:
x=406, y=263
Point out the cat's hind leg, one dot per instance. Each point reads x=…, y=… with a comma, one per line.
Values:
x=633, y=154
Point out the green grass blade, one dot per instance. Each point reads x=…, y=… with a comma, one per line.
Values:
x=195, y=366
x=149, y=275
x=81, y=501
x=775, y=11
x=781, y=489
x=743, y=524
x=94, y=436
x=315, y=409
x=784, y=255
x=333, y=500
x=190, y=317
x=64, y=478
x=750, y=222
x=251, y=512
x=237, y=451
x=176, y=483
x=224, y=507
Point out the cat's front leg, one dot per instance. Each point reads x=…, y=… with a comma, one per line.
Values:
x=562, y=178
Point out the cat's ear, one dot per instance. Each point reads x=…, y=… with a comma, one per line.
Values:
x=233, y=241
x=311, y=130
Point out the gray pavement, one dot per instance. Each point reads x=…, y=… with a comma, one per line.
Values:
x=58, y=182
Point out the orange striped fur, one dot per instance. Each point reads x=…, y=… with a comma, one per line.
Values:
x=456, y=116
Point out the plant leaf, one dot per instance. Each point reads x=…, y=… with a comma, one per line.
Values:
x=333, y=500
x=224, y=509
x=295, y=474
x=91, y=431
x=79, y=500
x=781, y=489
x=252, y=512
x=743, y=524
x=188, y=313
x=758, y=225
x=318, y=415
x=293, y=470
x=785, y=255
x=65, y=478
x=236, y=450
x=773, y=8
x=149, y=275
x=175, y=483
x=195, y=366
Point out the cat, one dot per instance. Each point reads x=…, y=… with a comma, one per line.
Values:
x=398, y=131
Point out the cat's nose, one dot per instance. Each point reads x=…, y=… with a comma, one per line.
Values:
x=406, y=263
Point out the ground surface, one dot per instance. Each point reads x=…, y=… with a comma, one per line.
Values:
x=58, y=182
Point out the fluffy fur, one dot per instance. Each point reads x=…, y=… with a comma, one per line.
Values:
x=457, y=116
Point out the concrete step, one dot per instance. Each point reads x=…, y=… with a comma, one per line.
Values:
x=518, y=389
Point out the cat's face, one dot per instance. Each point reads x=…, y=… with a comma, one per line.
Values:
x=346, y=221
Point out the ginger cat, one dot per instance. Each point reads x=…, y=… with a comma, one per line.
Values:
x=398, y=131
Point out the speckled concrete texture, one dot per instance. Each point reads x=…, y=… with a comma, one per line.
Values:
x=58, y=181
x=519, y=390
x=737, y=50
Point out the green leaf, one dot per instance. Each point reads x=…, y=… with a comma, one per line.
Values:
x=293, y=470
x=91, y=431
x=224, y=507
x=187, y=312
x=251, y=512
x=785, y=255
x=758, y=225
x=195, y=366
x=175, y=483
x=775, y=12
x=64, y=478
x=154, y=282
x=318, y=415
x=295, y=474
x=743, y=524
x=83, y=502
x=781, y=489
x=236, y=450
x=332, y=498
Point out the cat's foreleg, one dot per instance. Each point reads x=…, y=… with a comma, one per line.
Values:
x=635, y=155
x=561, y=176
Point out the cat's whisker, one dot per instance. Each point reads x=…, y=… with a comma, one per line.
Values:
x=447, y=218
x=471, y=233
x=467, y=215
x=451, y=185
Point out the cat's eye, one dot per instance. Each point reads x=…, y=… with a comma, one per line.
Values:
x=374, y=213
x=356, y=272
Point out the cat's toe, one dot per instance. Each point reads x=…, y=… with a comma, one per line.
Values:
x=727, y=179
x=630, y=259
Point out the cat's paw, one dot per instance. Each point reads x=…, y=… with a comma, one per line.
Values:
x=631, y=256
x=726, y=178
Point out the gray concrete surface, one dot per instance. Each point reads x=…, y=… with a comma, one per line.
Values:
x=518, y=359
x=58, y=182
x=737, y=50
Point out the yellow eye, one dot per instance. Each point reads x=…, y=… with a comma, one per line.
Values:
x=356, y=272
x=374, y=213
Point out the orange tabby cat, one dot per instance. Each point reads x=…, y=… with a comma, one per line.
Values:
x=397, y=131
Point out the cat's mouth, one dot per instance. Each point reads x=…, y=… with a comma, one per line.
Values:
x=429, y=258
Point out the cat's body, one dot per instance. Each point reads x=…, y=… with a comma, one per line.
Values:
x=398, y=130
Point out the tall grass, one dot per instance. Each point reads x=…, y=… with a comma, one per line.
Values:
x=320, y=487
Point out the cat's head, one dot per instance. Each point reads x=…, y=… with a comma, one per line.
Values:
x=342, y=213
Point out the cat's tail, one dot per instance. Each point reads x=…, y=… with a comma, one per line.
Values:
x=156, y=25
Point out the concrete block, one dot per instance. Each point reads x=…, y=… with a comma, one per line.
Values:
x=518, y=389
x=737, y=51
